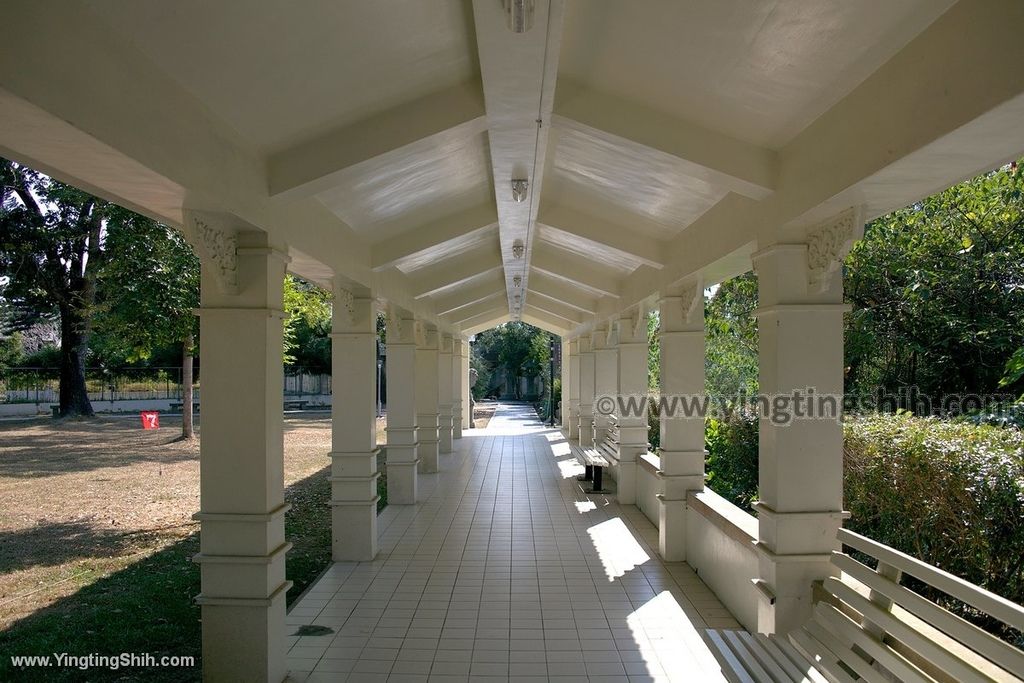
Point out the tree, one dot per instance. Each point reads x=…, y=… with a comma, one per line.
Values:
x=731, y=364
x=307, y=324
x=149, y=290
x=51, y=247
x=515, y=349
x=938, y=292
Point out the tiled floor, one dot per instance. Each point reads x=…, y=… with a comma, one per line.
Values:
x=506, y=571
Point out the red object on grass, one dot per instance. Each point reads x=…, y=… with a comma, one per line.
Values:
x=150, y=419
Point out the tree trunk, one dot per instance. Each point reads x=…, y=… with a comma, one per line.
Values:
x=74, y=340
x=186, y=389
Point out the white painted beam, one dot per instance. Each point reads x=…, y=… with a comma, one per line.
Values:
x=711, y=156
x=451, y=114
x=432, y=237
x=451, y=302
x=563, y=291
x=453, y=271
x=603, y=234
x=558, y=263
x=545, y=321
x=555, y=308
x=519, y=72
x=489, y=305
x=484, y=322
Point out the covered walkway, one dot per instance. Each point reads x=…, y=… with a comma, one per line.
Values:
x=507, y=569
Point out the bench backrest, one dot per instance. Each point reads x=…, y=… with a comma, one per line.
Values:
x=873, y=626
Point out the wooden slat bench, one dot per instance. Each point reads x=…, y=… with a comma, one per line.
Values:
x=867, y=627
x=594, y=460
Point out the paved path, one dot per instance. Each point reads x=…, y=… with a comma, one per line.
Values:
x=507, y=571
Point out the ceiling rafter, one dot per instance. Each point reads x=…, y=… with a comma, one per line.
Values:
x=304, y=170
x=604, y=234
x=454, y=271
x=564, y=265
x=433, y=236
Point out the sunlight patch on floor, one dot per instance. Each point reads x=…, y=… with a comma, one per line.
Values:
x=585, y=506
x=617, y=548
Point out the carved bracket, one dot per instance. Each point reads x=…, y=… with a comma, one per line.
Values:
x=345, y=304
x=692, y=301
x=218, y=244
x=829, y=243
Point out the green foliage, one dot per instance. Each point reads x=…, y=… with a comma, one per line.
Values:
x=148, y=293
x=514, y=350
x=938, y=292
x=949, y=493
x=730, y=364
x=731, y=464
x=307, y=325
x=654, y=350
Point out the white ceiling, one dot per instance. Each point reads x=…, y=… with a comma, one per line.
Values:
x=749, y=74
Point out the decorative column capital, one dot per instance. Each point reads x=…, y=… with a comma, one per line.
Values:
x=217, y=242
x=829, y=243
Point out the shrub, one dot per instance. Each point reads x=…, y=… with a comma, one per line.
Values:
x=949, y=493
x=732, y=457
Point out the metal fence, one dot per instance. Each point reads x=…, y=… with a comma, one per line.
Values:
x=42, y=385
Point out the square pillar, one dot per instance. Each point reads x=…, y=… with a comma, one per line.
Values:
x=445, y=417
x=563, y=408
x=633, y=388
x=402, y=448
x=467, y=397
x=241, y=459
x=572, y=391
x=585, y=421
x=354, y=468
x=458, y=397
x=682, y=437
x=426, y=393
x=606, y=380
x=800, y=477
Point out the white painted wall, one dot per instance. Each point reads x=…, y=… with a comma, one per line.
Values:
x=720, y=541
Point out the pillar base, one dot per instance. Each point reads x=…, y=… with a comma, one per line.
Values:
x=244, y=640
x=672, y=529
x=445, y=433
x=354, y=530
x=402, y=465
x=625, y=482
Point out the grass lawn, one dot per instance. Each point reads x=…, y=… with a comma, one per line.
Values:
x=96, y=539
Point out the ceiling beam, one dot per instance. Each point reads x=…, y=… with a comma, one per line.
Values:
x=489, y=305
x=545, y=321
x=454, y=271
x=432, y=236
x=449, y=303
x=483, y=322
x=560, y=290
x=716, y=158
x=603, y=234
x=555, y=308
x=311, y=167
x=519, y=72
x=564, y=265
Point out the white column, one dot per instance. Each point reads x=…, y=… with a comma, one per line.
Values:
x=427, y=409
x=445, y=419
x=585, y=426
x=563, y=408
x=354, y=470
x=242, y=553
x=682, y=438
x=574, y=390
x=467, y=403
x=800, y=485
x=606, y=376
x=457, y=387
x=632, y=383
x=402, y=448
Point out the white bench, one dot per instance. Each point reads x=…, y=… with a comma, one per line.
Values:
x=594, y=460
x=867, y=627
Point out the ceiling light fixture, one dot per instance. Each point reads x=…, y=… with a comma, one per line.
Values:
x=517, y=280
x=519, y=187
x=518, y=249
x=520, y=14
